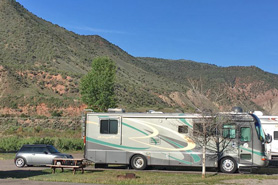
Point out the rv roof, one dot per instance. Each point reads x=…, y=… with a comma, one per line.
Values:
x=241, y=116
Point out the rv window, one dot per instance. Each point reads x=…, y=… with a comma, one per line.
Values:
x=197, y=129
x=229, y=131
x=113, y=126
x=245, y=134
x=275, y=134
x=108, y=126
x=245, y=156
x=183, y=129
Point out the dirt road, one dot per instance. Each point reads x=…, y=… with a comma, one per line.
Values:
x=11, y=175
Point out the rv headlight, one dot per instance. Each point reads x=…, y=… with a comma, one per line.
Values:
x=264, y=158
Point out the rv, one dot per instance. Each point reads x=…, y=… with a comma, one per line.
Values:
x=270, y=126
x=167, y=139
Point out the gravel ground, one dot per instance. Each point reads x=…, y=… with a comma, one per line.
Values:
x=8, y=165
x=251, y=182
x=27, y=182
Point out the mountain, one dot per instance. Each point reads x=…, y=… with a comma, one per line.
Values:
x=41, y=65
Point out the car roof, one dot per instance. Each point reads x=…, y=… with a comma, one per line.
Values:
x=36, y=145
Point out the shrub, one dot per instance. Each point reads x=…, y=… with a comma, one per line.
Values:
x=11, y=144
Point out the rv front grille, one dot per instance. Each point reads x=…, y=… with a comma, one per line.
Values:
x=274, y=157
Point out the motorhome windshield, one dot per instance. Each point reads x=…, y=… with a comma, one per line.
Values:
x=259, y=129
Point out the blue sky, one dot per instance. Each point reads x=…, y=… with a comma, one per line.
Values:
x=221, y=32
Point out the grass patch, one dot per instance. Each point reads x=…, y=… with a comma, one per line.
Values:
x=143, y=177
x=5, y=156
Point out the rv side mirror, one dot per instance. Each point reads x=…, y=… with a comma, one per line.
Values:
x=268, y=138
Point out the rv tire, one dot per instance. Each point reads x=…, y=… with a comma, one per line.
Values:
x=138, y=162
x=228, y=165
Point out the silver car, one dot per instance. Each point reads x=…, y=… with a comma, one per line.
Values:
x=37, y=155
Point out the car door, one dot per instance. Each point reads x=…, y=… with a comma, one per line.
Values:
x=27, y=154
x=41, y=156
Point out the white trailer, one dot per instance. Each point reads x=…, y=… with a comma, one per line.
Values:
x=270, y=126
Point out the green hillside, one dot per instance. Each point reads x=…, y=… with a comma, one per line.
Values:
x=41, y=65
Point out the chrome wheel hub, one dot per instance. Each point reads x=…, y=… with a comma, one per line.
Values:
x=228, y=165
x=138, y=162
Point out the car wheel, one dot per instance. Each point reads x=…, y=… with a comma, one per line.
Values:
x=20, y=162
x=138, y=162
x=228, y=165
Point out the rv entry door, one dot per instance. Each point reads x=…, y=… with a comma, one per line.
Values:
x=245, y=144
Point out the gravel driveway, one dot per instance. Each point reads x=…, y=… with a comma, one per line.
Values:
x=7, y=167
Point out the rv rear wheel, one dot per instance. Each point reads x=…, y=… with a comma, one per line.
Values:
x=228, y=165
x=138, y=162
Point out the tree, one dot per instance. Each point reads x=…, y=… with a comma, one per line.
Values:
x=211, y=135
x=97, y=87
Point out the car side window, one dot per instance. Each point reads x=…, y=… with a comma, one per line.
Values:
x=38, y=149
x=26, y=149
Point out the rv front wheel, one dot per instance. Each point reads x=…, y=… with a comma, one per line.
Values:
x=228, y=165
x=138, y=162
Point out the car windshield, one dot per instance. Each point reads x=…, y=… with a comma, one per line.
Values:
x=52, y=150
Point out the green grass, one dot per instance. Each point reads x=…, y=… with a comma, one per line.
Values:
x=99, y=176
x=4, y=156
x=142, y=177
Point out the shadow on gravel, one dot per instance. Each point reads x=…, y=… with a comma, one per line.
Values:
x=272, y=169
x=19, y=174
x=162, y=168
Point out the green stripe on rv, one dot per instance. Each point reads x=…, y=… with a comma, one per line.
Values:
x=134, y=128
x=254, y=152
x=195, y=157
x=113, y=145
x=185, y=122
x=138, y=131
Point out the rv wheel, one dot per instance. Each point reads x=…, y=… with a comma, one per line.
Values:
x=228, y=165
x=138, y=162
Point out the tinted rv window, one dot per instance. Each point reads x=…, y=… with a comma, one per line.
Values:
x=108, y=126
x=113, y=126
x=245, y=134
x=229, y=131
x=197, y=129
x=104, y=126
x=275, y=134
x=183, y=129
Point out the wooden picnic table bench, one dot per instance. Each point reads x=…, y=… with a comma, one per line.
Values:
x=62, y=163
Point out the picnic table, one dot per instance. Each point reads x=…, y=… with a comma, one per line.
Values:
x=62, y=163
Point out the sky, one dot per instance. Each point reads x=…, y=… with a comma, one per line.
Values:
x=220, y=32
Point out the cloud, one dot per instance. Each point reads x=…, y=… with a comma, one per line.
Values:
x=96, y=30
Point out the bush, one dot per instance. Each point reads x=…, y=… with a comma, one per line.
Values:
x=12, y=144
x=56, y=113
